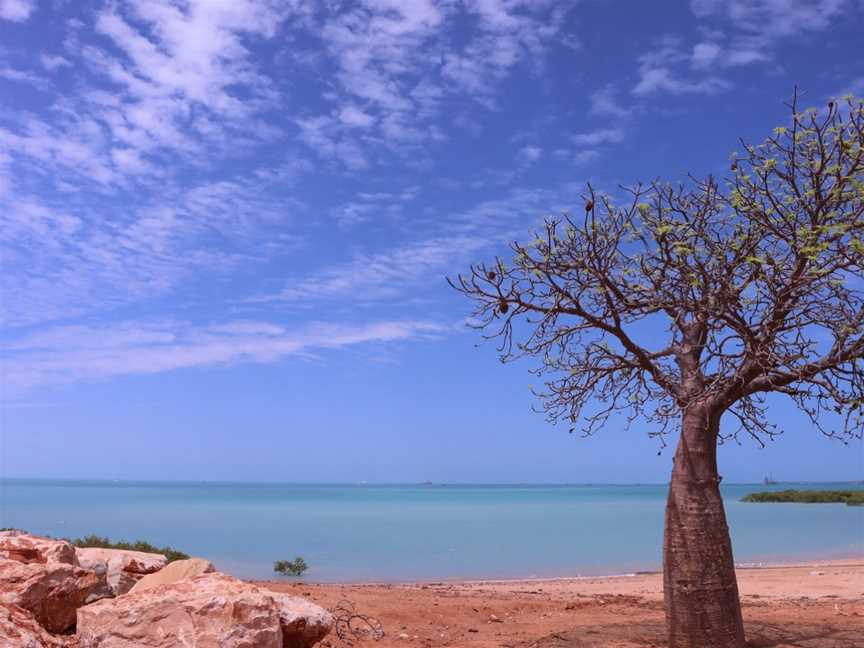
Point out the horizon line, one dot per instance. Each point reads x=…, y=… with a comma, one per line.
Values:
x=428, y=483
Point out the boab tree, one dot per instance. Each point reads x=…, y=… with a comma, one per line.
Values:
x=687, y=305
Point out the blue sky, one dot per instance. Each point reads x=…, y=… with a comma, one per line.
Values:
x=225, y=225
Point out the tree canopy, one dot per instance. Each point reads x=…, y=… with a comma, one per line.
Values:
x=758, y=280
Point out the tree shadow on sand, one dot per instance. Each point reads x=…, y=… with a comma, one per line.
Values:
x=653, y=635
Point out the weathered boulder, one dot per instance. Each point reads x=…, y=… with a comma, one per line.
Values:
x=51, y=592
x=209, y=610
x=121, y=582
x=19, y=629
x=27, y=548
x=103, y=588
x=303, y=623
x=120, y=569
x=174, y=572
x=134, y=562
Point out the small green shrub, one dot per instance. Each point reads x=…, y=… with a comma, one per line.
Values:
x=99, y=542
x=294, y=567
x=849, y=497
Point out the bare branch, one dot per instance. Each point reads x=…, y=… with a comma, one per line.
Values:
x=757, y=282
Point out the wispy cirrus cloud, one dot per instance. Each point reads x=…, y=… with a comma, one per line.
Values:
x=160, y=87
x=398, y=270
x=369, y=278
x=508, y=34
x=194, y=160
x=773, y=19
x=734, y=33
x=62, y=259
x=397, y=66
x=98, y=352
x=372, y=205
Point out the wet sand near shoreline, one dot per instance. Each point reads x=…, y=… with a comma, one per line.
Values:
x=817, y=605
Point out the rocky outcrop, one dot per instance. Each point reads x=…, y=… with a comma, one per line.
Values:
x=52, y=592
x=19, y=629
x=46, y=586
x=103, y=588
x=209, y=610
x=174, y=572
x=134, y=562
x=120, y=569
x=26, y=548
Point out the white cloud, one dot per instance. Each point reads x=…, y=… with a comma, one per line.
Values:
x=61, y=260
x=387, y=275
x=83, y=353
x=657, y=72
x=180, y=62
x=591, y=145
x=773, y=18
x=52, y=63
x=154, y=82
x=373, y=205
x=704, y=54
x=604, y=103
x=656, y=80
x=373, y=277
x=530, y=154
x=324, y=136
x=600, y=136
x=751, y=30
x=353, y=116
x=16, y=10
x=398, y=61
x=507, y=36
x=379, y=48
x=21, y=76
x=734, y=33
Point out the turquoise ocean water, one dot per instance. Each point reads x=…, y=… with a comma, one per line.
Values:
x=413, y=532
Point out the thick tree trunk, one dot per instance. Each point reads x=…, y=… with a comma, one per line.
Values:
x=701, y=594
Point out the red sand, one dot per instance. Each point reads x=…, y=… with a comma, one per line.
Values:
x=819, y=605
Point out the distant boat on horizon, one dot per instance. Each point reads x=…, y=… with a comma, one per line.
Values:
x=769, y=480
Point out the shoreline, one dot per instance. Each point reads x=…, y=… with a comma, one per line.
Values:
x=851, y=560
x=812, y=604
x=847, y=563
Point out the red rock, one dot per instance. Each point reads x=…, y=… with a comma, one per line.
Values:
x=26, y=548
x=119, y=569
x=52, y=592
x=134, y=562
x=173, y=573
x=303, y=623
x=20, y=629
x=209, y=610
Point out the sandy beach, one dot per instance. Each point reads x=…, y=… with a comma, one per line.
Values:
x=814, y=605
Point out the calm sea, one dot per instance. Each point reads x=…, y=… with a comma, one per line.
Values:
x=408, y=532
